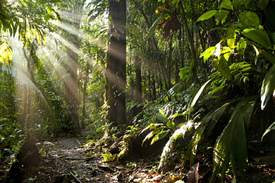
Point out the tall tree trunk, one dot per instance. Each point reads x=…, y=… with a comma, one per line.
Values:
x=138, y=87
x=116, y=64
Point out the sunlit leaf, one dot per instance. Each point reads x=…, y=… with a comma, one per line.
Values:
x=162, y=134
x=207, y=15
x=49, y=10
x=5, y=53
x=170, y=124
x=162, y=113
x=231, y=42
x=226, y=52
x=268, y=86
x=148, y=136
x=207, y=53
x=108, y=157
x=231, y=36
x=241, y=46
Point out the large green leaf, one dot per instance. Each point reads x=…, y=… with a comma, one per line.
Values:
x=232, y=141
x=257, y=35
x=249, y=19
x=207, y=15
x=268, y=56
x=268, y=86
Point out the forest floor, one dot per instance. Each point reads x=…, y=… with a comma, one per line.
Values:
x=68, y=160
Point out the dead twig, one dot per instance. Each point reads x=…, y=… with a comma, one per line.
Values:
x=76, y=179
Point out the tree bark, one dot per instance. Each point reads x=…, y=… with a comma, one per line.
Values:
x=116, y=64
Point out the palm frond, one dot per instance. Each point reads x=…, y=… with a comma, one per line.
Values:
x=209, y=121
x=231, y=144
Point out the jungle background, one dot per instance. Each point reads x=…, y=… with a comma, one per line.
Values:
x=151, y=90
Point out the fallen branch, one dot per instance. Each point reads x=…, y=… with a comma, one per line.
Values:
x=76, y=179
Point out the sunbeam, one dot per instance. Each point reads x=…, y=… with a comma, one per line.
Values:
x=68, y=28
x=66, y=43
x=71, y=17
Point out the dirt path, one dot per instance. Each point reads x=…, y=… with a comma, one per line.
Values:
x=65, y=161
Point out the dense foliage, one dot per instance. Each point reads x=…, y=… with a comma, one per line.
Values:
x=203, y=68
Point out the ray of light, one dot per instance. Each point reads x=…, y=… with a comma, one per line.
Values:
x=60, y=70
x=79, y=33
x=67, y=43
x=68, y=28
x=71, y=17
